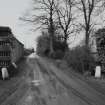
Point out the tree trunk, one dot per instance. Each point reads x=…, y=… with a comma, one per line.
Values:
x=87, y=48
x=51, y=32
x=65, y=40
x=87, y=39
x=51, y=47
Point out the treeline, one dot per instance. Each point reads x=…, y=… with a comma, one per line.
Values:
x=60, y=20
x=43, y=46
x=68, y=17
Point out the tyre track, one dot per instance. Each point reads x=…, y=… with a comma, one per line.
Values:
x=68, y=86
x=9, y=92
x=91, y=84
x=17, y=88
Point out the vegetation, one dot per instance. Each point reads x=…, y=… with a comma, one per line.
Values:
x=61, y=19
x=89, y=10
x=100, y=40
x=42, y=16
x=66, y=17
x=43, y=46
x=53, y=16
x=28, y=51
x=78, y=58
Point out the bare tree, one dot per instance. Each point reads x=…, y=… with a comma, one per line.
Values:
x=51, y=25
x=88, y=8
x=42, y=16
x=65, y=17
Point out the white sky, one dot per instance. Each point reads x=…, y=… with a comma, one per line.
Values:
x=10, y=11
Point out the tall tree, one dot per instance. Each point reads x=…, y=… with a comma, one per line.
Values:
x=88, y=9
x=42, y=16
x=51, y=25
x=65, y=17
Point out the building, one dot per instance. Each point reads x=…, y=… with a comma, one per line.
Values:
x=11, y=50
x=17, y=50
x=5, y=46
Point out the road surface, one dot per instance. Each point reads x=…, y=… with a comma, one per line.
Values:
x=44, y=84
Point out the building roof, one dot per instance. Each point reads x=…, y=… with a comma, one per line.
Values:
x=18, y=41
x=5, y=28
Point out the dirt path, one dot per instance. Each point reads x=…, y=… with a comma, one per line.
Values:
x=44, y=84
x=42, y=90
x=49, y=90
x=75, y=86
x=11, y=90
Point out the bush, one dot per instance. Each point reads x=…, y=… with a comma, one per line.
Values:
x=59, y=46
x=43, y=46
x=59, y=54
x=43, y=43
x=79, y=59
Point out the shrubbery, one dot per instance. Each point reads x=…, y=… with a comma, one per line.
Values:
x=43, y=46
x=80, y=60
x=58, y=54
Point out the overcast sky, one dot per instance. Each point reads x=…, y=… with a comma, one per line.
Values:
x=10, y=11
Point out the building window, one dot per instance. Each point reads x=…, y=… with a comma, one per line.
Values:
x=4, y=43
x=4, y=63
x=5, y=53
